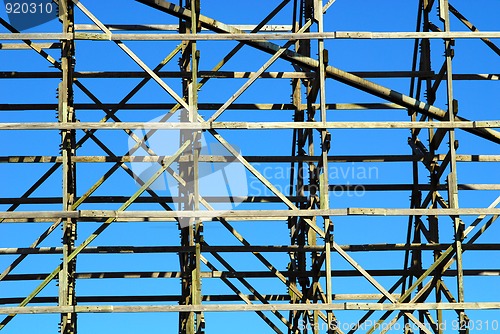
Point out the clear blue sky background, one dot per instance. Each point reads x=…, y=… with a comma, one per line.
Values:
x=477, y=101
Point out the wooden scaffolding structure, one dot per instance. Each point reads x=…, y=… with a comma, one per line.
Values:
x=418, y=297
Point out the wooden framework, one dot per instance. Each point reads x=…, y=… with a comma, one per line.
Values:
x=418, y=295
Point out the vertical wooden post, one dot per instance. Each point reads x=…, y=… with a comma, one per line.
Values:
x=192, y=231
x=452, y=176
x=66, y=114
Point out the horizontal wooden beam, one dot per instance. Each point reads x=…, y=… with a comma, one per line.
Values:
x=248, y=36
x=248, y=308
x=201, y=106
x=249, y=125
x=251, y=274
x=353, y=189
x=242, y=249
x=232, y=75
x=164, y=74
x=174, y=298
x=249, y=214
x=24, y=46
x=144, y=200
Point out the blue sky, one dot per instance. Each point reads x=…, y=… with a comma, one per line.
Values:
x=476, y=98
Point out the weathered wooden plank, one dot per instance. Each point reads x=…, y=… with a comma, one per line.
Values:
x=249, y=125
x=215, y=274
x=201, y=106
x=253, y=214
x=260, y=249
x=23, y=46
x=246, y=308
x=250, y=36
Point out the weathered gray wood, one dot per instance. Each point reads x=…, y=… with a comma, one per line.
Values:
x=260, y=249
x=253, y=214
x=23, y=46
x=250, y=37
x=250, y=125
x=493, y=273
x=246, y=308
x=202, y=106
x=228, y=75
